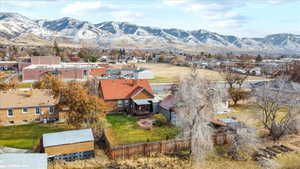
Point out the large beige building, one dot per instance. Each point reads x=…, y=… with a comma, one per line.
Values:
x=26, y=106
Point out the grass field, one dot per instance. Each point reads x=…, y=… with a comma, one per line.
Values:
x=167, y=73
x=26, y=136
x=124, y=130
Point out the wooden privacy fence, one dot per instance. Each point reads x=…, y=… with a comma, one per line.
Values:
x=146, y=149
x=160, y=147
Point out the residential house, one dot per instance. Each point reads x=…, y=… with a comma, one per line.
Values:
x=133, y=96
x=69, y=145
x=26, y=106
x=23, y=161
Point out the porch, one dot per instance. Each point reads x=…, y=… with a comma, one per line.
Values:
x=141, y=107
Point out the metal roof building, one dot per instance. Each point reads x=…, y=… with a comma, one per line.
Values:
x=23, y=161
x=67, y=137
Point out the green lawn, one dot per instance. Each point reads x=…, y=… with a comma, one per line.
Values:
x=24, y=85
x=124, y=130
x=26, y=136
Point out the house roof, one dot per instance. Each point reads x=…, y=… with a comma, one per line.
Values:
x=26, y=98
x=123, y=88
x=168, y=103
x=23, y=161
x=219, y=122
x=98, y=72
x=67, y=137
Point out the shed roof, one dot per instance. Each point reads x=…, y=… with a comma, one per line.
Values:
x=23, y=161
x=168, y=103
x=67, y=137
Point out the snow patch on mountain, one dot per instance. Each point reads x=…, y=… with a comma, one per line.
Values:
x=14, y=25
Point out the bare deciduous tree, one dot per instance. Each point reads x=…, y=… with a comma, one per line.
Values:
x=198, y=100
x=245, y=140
x=235, y=82
x=233, y=79
x=271, y=99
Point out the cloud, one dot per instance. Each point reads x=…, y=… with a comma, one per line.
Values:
x=126, y=16
x=174, y=2
x=25, y=3
x=214, y=13
x=81, y=7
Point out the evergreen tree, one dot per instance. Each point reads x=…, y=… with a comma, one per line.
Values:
x=258, y=58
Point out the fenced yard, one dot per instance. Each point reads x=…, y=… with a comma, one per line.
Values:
x=146, y=149
x=123, y=129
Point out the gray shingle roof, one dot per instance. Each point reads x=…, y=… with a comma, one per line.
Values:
x=23, y=161
x=67, y=137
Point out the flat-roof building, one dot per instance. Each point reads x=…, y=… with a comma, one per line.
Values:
x=51, y=65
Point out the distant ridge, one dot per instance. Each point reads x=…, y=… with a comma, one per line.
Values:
x=122, y=34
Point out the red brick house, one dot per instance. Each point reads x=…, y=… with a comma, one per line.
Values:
x=133, y=96
x=22, y=107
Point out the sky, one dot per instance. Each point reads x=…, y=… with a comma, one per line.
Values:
x=243, y=18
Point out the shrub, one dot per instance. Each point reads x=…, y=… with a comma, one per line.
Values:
x=160, y=119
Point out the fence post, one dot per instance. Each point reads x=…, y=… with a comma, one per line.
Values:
x=160, y=147
x=144, y=145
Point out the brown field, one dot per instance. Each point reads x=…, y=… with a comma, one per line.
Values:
x=167, y=73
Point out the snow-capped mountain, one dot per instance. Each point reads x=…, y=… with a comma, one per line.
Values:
x=119, y=34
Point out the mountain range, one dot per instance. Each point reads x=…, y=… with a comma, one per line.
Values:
x=16, y=28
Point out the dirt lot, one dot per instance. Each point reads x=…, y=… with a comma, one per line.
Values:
x=166, y=73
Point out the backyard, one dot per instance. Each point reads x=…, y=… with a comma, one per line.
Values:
x=123, y=129
x=26, y=136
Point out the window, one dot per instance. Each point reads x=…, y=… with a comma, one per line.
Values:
x=25, y=121
x=120, y=103
x=11, y=122
x=126, y=102
x=38, y=110
x=51, y=110
x=25, y=110
x=10, y=113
